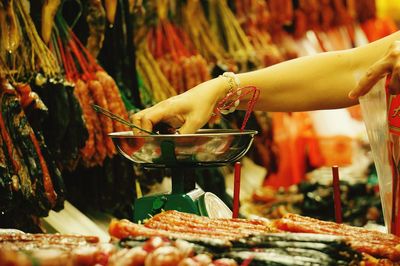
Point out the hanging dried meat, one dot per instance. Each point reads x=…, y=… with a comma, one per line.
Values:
x=57, y=124
x=111, y=9
x=227, y=31
x=9, y=27
x=281, y=12
x=32, y=55
x=93, y=86
x=255, y=19
x=8, y=186
x=152, y=75
x=49, y=10
x=96, y=20
x=115, y=105
x=175, y=53
x=31, y=182
x=45, y=125
x=81, y=92
x=205, y=42
x=35, y=179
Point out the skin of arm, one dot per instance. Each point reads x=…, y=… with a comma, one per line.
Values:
x=322, y=81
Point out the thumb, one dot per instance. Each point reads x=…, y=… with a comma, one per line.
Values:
x=373, y=75
x=190, y=126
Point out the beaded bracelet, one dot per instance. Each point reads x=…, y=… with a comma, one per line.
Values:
x=234, y=83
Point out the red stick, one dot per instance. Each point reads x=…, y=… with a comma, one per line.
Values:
x=336, y=194
x=236, y=190
x=247, y=261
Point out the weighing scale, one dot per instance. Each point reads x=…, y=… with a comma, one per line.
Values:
x=181, y=154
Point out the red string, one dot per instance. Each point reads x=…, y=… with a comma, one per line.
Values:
x=229, y=101
x=82, y=61
x=247, y=261
x=71, y=64
x=89, y=57
x=76, y=59
x=250, y=107
x=68, y=73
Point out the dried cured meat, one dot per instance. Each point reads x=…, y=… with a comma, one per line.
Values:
x=371, y=242
x=99, y=97
x=49, y=10
x=46, y=249
x=115, y=103
x=82, y=94
x=34, y=182
x=23, y=182
x=176, y=224
x=124, y=228
x=22, y=135
x=263, y=248
x=96, y=20
x=175, y=221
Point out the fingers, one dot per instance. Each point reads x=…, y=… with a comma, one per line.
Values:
x=373, y=75
x=146, y=119
x=186, y=109
x=147, y=124
x=389, y=64
x=191, y=126
x=137, y=121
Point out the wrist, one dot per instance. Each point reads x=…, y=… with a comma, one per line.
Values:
x=232, y=82
x=216, y=88
x=230, y=98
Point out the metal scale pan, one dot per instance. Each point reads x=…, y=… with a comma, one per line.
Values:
x=180, y=153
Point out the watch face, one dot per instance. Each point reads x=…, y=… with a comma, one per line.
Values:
x=215, y=207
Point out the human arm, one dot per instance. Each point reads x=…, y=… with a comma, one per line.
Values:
x=321, y=81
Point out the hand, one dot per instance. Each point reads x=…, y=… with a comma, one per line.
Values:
x=188, y=111
x=389, y=64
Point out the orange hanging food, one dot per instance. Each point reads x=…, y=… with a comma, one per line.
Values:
x=82, y=94
x=99, y=96
x=111, y=10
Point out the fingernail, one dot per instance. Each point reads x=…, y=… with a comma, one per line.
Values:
x=352, y=95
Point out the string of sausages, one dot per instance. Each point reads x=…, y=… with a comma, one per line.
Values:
x=372, y=242
x=176, y=55
x=255, y=19
x=92, y=86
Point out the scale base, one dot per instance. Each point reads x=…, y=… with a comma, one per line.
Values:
x=148, y=206
x=196, y=202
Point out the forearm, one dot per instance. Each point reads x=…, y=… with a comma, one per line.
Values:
x=308, y=83
x=321, y=81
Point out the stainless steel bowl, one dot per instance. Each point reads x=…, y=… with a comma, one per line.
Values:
x=207, y=147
